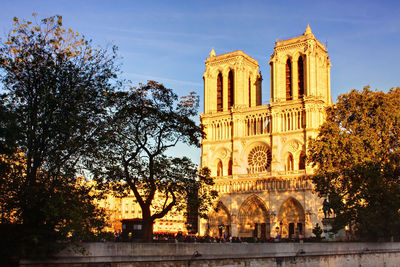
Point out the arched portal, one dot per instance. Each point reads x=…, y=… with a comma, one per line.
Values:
x=292, y=219
x=219, y=221
x=254, y=219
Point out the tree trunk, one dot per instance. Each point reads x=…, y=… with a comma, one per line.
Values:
x=147, y=230
x=147, y=224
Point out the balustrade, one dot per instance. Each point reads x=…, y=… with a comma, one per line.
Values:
x=243, y=186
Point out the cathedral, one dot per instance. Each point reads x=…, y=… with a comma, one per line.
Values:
x=256, y=153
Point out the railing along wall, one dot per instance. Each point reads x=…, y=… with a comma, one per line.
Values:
x=274, y=184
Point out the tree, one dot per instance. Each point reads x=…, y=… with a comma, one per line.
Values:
x=357, y=155
x=54, y=84
x=317, y=231
x=144, y=123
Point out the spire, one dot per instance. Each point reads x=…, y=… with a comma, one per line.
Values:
x=308, y=31
x=212, y=53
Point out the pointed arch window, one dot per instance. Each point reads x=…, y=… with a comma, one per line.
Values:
x=231, y=89
x=249, y=92
x=220, y=170
x=289, y=93
x=219, y=92
x=300, y=68
x=272, y=79
x=289, y=162
x=230, y=167
x=302, y=161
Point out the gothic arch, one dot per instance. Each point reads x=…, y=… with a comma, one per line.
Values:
x=302, y=160
x=289, y=163
x=221, y=152
x=220, y=86
x=220, y=168
x=219, y=221
x=231, y=88
x=301, y=77
x=289, y=78
x=230, y=166
x=296, y=55
x=292, y=146
x=292, y=218
x=250, y=86
x=272, y=73
x=253, y=218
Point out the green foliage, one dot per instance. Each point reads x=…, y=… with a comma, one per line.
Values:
x=317, y=231
x=144, y=123
x=357, y=155
x=52, y=107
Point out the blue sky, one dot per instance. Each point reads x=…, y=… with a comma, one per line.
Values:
x=168, y=41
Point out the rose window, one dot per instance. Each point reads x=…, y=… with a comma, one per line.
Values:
x=259, y=159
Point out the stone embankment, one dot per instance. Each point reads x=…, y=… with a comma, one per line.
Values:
x=227, y=254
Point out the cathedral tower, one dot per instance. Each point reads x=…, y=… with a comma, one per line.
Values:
x=300, y=69
x=231, y=80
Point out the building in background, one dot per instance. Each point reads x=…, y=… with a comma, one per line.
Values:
x=122, y=208
x=257, y=152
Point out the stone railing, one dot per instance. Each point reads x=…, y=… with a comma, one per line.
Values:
x=227, y=254
x=258, y=185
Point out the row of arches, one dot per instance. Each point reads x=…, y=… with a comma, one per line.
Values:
x=231, y=90
x=290, y=163
x=254, y=219
x=293, y=67
x=293, y=120
x=300, y=77
x=258, y=125
x=220, y=168
x=221, y=130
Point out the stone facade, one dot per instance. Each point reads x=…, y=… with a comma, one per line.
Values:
x=256, y=152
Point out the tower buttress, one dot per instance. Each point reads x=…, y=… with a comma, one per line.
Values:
x=300, y=69
x=231, y=80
